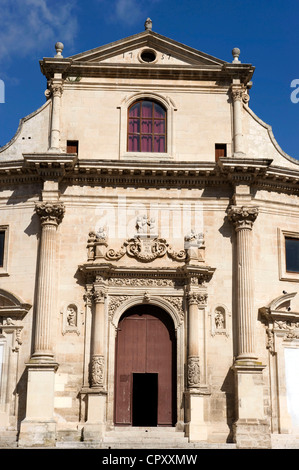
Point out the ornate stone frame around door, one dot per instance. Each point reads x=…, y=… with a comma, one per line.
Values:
x=179, y=287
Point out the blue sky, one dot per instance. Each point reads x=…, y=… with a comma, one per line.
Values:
x=266, y=31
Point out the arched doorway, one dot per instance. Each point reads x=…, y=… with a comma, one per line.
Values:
x=145, y=381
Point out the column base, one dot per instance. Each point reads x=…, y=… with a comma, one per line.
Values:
x=195, y=428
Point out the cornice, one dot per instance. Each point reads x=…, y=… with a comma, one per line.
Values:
x=259, y=173
x=67, y=67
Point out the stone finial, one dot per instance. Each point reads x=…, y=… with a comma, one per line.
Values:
x=148, y=24
x=59, y=46
x=236, y=52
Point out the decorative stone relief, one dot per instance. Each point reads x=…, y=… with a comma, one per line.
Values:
x=290, y=328
x=146, y=282
x=194, y=239
x=115, y=302
x=70, y=318
x=197, y=298
x=193, y=372
x=146, y=250
x=178, y=304
x=280, y=321
x=8, y=326
x=97, y=371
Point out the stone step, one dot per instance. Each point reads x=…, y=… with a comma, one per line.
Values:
x=144, y=445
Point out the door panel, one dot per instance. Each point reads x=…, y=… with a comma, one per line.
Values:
x=145, y=345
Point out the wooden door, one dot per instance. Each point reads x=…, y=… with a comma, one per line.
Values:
x=145, y=345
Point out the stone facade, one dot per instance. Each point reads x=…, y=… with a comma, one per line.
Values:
x=91, y=233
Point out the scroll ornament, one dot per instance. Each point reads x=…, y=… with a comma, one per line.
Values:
x=146, y=250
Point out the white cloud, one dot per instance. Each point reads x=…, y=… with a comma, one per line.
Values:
x=128, y=12
x=32, y=25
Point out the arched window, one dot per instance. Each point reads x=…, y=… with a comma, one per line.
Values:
x=146, y=127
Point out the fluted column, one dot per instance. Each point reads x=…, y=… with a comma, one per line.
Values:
x=98, y=341
x=56, y=88
x=50, y=215
x=242, y=219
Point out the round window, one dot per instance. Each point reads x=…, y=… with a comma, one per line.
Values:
x=148, y=56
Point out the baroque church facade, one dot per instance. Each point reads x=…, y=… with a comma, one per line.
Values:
x=149, y=256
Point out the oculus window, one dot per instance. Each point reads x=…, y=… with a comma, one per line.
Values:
x=146, y=127
x=292, y=254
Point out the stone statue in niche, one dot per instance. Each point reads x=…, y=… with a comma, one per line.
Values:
x=70, y=314
x=220, y=318
x=219, y=321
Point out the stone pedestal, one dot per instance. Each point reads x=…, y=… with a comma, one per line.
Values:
x=39, y=426
x=196, y=429
x=251, y=429
x=95, y=426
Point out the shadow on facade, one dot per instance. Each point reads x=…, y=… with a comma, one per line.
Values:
x=229, y=390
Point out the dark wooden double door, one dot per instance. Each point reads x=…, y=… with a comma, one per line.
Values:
x=145, y=385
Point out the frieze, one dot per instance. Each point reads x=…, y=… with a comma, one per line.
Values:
x=139, y=282
x=291, y=329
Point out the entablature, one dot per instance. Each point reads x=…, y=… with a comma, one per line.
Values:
x=227, y=171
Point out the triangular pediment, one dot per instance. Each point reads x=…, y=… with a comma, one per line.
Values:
x=144, y=48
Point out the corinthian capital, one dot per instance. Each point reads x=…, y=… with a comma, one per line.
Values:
x=239, y=93
x=242, y=217
x=50, y=212
x=56, y=88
